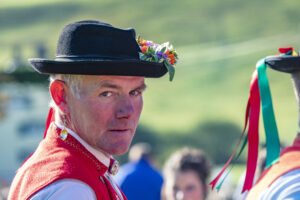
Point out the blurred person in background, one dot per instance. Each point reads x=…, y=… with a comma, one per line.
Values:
x=138, y=178
x=96, y=87
x=185, y=175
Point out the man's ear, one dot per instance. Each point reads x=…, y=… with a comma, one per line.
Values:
x=58, y=93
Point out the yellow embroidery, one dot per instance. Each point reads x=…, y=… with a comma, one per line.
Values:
x=64, y=134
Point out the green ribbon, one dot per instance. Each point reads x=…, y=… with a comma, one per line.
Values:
x=272, y=138
x=235, y=159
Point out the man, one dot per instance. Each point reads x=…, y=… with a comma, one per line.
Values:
x=282, y=179
x=96, y=86
x=131, y=176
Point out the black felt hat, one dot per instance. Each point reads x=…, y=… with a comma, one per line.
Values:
x=287, y=63
x=97, y=48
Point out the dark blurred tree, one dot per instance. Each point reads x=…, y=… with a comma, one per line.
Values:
x=17, y=69
x=216, y=138
x=24, y=75
x=144, y=134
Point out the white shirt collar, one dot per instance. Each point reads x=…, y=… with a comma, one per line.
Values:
x=98, y=154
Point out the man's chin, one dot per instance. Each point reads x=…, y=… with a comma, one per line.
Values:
x=120, y=150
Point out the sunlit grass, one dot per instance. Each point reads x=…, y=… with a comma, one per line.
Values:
x=215, y=91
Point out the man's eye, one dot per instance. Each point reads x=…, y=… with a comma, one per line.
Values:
x=135, y=92
x=106, y=94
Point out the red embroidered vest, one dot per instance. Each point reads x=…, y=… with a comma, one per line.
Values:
x=57, y=159
x=288, y=161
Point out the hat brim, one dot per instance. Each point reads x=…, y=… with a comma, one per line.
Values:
x=288, y=64
x=99, y=67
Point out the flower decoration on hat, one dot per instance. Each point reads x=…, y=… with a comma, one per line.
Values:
x=163, y=53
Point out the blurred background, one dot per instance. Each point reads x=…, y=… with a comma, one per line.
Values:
x=218, y=42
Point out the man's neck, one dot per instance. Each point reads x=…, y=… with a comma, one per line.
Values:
x=103, y=158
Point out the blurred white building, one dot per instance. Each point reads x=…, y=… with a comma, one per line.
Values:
x=25, y=109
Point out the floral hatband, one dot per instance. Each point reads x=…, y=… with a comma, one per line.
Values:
x=163, y=53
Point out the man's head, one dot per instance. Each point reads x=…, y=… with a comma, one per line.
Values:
x=289, y=63
x=103, y=110
x=97, y=81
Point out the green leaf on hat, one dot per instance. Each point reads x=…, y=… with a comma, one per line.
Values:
x=171, y=70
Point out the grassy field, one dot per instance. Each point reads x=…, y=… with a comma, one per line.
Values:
x=213, y=84
x=218, y=43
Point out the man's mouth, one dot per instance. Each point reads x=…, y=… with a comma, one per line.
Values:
x=119, y=130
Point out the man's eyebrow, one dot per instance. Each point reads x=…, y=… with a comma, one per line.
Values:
x=141, y=87
x=113, y=86
x=108, y=85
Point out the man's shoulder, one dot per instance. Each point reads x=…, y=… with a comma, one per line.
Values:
x=65, y=189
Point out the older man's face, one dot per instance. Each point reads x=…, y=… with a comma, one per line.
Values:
x=108, y=110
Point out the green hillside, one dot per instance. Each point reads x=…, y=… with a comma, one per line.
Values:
x=27, y=22
x=218, y=43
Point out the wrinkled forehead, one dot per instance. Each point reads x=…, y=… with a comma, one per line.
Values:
x=96, y=82
x=101, y=79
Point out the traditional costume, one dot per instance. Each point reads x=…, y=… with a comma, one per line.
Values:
x=64, y=157
x=64, y=166
x=281, y=178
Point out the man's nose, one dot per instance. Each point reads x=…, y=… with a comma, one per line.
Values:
x=125, y=108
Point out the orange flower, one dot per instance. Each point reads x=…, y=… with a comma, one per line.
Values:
x=171, y=56
x=144, y=49
x=172, y=61
x=143, y=42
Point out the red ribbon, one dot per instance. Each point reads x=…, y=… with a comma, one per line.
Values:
x=252, y=115
x=214, y=182
x=253, y=138
x=50, y=119
x=285, y=50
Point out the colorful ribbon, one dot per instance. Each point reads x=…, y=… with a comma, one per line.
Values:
x=259, y=92
x=236, y=158
x=272, y=138
x=253, y=138
x=251, y=112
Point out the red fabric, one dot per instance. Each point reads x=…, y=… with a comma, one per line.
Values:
x=57, y=159
x=252, y=115
x=288, y=161
x=50, y=119
x=253, y=138
x=285, y=49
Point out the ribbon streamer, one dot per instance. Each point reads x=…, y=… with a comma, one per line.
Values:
x=272, y=138
x=253, y=138
x=247, y=115
x=236, y=158
x=259, y=93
